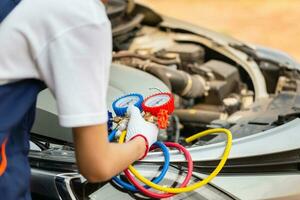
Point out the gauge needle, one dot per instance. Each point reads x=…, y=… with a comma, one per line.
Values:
x=157, y=102
x=127, y=103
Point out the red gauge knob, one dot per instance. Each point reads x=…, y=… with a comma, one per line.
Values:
x=163, y=119
x=157, y=102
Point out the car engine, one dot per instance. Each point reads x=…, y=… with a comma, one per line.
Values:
x=210, y=88
x=217, y=82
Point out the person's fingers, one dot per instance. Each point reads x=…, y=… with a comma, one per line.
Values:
x=138, y=125
x=133, y=110
x=129, y=109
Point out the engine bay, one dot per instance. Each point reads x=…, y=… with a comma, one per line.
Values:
x=211, y=90
x=211, y=86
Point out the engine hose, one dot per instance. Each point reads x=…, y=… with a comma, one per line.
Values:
x=181, y=83
x=198, y=184
x=165, y=195
x=178, y=81
x=160, y=74
x=166, y=165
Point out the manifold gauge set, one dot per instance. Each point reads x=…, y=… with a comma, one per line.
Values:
x=156, y=109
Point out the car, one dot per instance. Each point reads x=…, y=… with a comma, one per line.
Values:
x=217, y=81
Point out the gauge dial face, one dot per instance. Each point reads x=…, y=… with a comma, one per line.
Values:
x=157, y=100
x=127, y=101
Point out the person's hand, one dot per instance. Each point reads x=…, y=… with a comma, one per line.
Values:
x=138, y=127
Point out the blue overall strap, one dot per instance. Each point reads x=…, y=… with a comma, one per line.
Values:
x=6, y=6
x=17, y=111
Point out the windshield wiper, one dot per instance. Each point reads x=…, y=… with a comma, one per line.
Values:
x=283, y=162
x=282, y=119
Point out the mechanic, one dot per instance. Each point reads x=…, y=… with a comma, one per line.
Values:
x=66, y=46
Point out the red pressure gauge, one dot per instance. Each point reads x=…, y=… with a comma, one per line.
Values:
x=160, y=105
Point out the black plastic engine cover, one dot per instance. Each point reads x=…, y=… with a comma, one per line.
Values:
x=227, y=81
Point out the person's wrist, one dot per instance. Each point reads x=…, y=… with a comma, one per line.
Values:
x=143, y=145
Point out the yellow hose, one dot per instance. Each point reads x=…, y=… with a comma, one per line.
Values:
x=198, y=184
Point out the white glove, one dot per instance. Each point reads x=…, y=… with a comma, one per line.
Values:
x=139, y=127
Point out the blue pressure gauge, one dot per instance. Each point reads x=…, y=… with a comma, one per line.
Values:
x=121, y=104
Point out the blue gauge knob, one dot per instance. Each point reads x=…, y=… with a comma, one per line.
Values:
x=121, y=104
x=109, y=121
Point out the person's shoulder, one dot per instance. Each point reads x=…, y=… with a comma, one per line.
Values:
x=39, y=22
x=91, y=11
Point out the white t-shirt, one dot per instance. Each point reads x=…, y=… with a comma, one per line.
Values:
x=67, y=44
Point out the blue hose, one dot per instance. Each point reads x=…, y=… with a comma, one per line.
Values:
x=112, y=135
x=166, y=153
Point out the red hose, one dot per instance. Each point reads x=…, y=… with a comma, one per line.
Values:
x=165, y=195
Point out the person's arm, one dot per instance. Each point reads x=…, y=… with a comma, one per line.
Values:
x=75, y=65
x=97, y=159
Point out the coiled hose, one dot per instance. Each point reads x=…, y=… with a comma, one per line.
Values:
x=165, y=195
x=165, y=168
x=198, y=184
